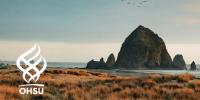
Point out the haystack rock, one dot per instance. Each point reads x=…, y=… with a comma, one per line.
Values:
x=179, y=62
x=96, y=64
x=111, y=60
x=193, y=66
x=143, y=49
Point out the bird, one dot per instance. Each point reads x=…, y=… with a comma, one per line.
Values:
x=136, y=3
x=145, y=1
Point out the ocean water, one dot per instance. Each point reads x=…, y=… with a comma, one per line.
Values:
x=146, y=72
x=59, y=64
x=120, y=71
x=67, y=64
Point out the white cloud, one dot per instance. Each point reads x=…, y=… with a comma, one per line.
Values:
x=189, y=20
x=193, y=7
x=59, y=51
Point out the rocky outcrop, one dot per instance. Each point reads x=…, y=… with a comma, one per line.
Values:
x=111, y=60
x=179, y=62
x=143, y=49
x=193, y=66
x=96, y=64
x=101, y=64
x=3, y=65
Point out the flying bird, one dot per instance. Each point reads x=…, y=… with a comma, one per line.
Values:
x=136, y=3
x=145, y=1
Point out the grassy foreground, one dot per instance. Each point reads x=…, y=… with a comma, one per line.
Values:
x=80, y=84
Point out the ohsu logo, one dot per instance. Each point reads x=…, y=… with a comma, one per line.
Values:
x=31, y=64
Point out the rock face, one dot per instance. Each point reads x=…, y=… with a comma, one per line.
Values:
x=96, y=64
x=3, y=65
x=143, y=49
x=193, y=66
x=111, y=60
x=179, y=62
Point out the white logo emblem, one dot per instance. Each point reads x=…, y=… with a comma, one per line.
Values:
x=26, y=65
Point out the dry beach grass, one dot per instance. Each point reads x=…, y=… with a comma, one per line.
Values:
x=80, y=84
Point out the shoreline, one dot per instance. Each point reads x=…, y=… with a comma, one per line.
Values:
x=127, y=72
x=76, y=84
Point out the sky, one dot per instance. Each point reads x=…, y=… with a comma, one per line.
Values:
x=78, y=31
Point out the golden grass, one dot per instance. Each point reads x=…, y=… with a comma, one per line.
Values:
x=8, y=92
x=79, y=84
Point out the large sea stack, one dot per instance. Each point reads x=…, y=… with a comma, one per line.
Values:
x=143, y=49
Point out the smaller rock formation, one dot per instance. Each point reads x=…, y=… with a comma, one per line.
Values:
x=96, y=64
x=111, y=60
x=3, y=65
x=193, y=66
x=179, y=62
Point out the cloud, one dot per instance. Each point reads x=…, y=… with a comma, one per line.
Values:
x=190, y=20
x=60, y=51
x=194, y=7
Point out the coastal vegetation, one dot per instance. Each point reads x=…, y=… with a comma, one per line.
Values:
x=81, y=84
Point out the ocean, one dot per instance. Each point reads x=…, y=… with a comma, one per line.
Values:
x=119, y=71
x=58, y=64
